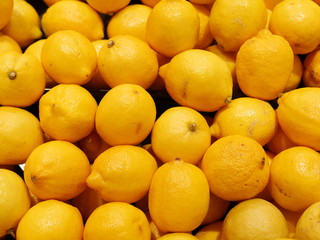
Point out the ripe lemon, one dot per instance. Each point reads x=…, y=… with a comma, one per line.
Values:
x=67, y=112
x=131, y=20
x=205, y=37
x=307, y=225
x=232, y=22
x=51, y=219
x=20, y=133
x=56, y=170
x=299, y=114
x=87, y=202
x=174, y=205
x=211, y=231
x=311, y=69
x=73, y=15
x=150, y=3
x=35, y=49
x=270, y=4
x=295, y=190
x=69, y=57
x=279, y=142
x=129, y=53
x=22, y=79
x=125, y=115
x=226, y=158
x=116, y=173
x=180, y=133
x=254, y=219
x=108, y=7
x=6, y=9
x=117, y=220
x=24, y=24
x=176, y=30
x=259, y=76
x=93, y=145
x=51, y=2
x=14, y=200
x=177, y=236
x=292, y=19
x=8, y=44
x=246, y=116
x=97, y=82
x=198, y=79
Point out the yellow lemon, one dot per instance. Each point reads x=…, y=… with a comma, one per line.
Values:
x=263, y=65
x=174, y=205
x=117, y=220
x=211, y=231
x=125, y=115
x=299, y=115
x=24, y=24
x=22, y=79
x=67, y=112
x=292, y=19
x=198, y=79
x=232, y=22
x=246, y=116
x=8, y=44
x=176, y=30
x=132, y=54
x=177, y=236
x=296, y=74
x=69, y=57
x=122, y=166
x=254, y=219
x=51, y=219
x=311, y=70
x=20, y=133
x=108, y=7
x=14, y=201
x=6, y=9
x=73, y=15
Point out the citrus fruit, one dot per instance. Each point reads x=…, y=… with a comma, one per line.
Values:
x=14, y=200
x=56, y=170
x=232, y=22
x=198, y=79
x=292, y=19
x=20, y=133
x=117, y=220
x=295, y=190
x=129, y=53
x=130, y=20
x=175, y=31
x=22, y=79
x=298, y=114
x=125, y=115
x=73, y=15
x=69, y=57
x=51, y=2
x=296, y=74
x=279, y=142
x=259, y=76
x=24, y=24
x=35, y=49
x=307, y=226
x=51, y=219
x=254, y=219
x=67, y=112
x=175, y=206
x=226, y=158
x=8, y=44
x=116, y=173
x=108, y=7
x=180, y=133
x=246, y=116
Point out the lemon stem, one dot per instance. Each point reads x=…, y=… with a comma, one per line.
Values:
x=193, y=127
x=228, y=100
x=110, y=43
x=12, y=75
x=11, y=232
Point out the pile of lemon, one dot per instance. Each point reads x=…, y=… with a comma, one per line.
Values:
x=233, y=156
